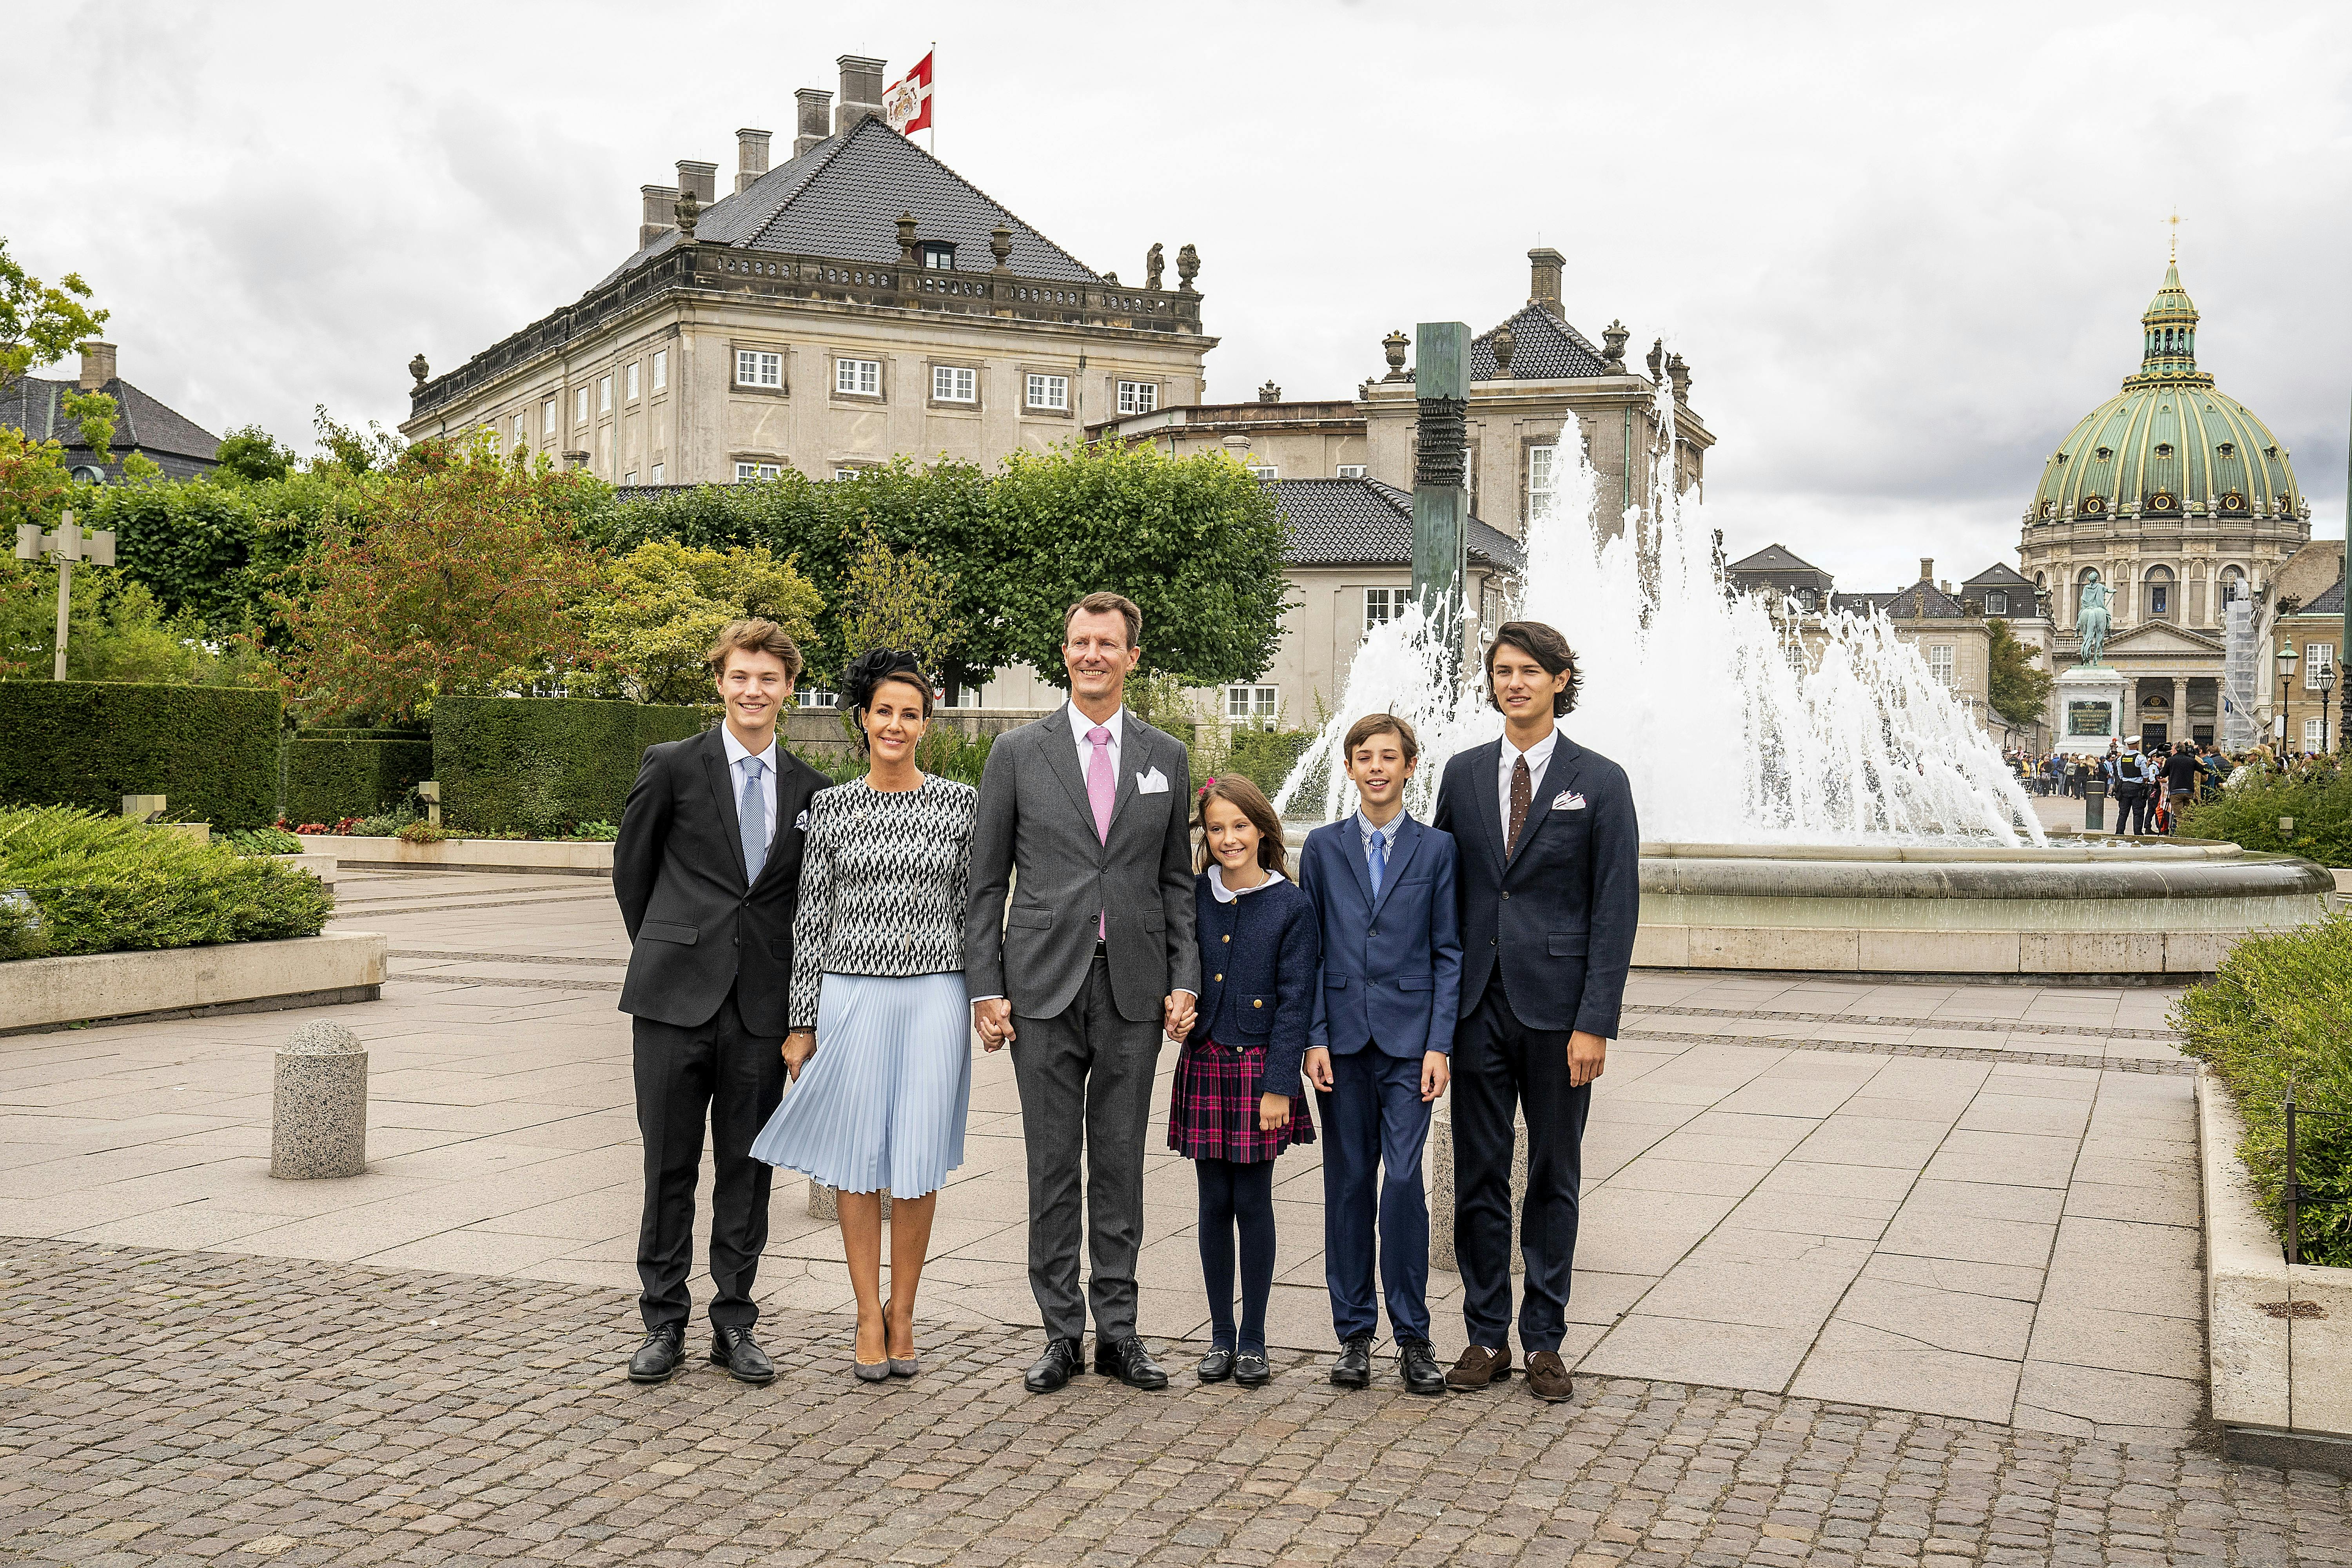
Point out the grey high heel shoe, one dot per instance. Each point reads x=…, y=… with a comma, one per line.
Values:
x=905, y=1366
x=870, y=1371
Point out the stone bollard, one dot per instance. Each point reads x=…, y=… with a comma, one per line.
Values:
x=320, y=1116
x=1440, y=1174
x=824, y=1204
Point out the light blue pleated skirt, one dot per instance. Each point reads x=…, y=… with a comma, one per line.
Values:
x=882, y=1103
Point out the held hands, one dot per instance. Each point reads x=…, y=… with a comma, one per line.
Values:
x=1587, y=1055
x=1436, y=1072
x=993, y=1019
x=1318, y=1067
x=1273, y=1112
x=1178, y=1010
x=799, y=1047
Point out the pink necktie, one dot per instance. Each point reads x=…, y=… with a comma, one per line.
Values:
x=1100, y=790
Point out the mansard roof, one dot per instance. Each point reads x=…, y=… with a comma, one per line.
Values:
x=1364, y=522
x=1774, y=558
x=141, y=423
x=1543, y=348
x=1921, y=601
x=2001, y=575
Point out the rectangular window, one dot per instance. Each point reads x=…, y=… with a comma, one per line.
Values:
x=630, y=478
x=1255, y=705
x=1050, y=392
x=1381, y=605
x=1265, y=473
x=522, y=429
x=847, y=473
x=657, y=473
x=1996, y=604
x=1543, y=463
x=1138, y=396
x=1351, y=471
x=938, y=256
x=858, y=377
x=633, y=381
x=2311, y=734
x=2316, y=657
x=605, y=395
x=548, y=417
x=1939, y=663
x=746, y=473
x=819, y=697
x=953, y=383
x=580, y=416
x=755, y=368
x=661, y=369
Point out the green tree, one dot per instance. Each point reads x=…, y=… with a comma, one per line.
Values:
x=1195, y=541
x=351, y=450
x=2020, y=688
x=117, y=631
x=664, y=604
x=40, y=323
x=250, y=455
x=899, y=600
x=34, y=483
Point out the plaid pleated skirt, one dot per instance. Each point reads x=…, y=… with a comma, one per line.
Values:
x=1212, y=1111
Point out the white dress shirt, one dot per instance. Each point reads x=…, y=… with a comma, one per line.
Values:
x=1539, y=758
x=1224, y=895
x=1080, y=724
x=737, y=774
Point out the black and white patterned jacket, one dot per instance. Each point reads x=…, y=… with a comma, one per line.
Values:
x=885, y=877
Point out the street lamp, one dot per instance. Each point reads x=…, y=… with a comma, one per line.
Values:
x=68, y=544
x=2327, y=685
x=2287, y=657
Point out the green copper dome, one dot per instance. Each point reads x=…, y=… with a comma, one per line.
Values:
x=2168, y=444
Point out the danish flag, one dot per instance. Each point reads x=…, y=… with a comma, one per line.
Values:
x=908, y=104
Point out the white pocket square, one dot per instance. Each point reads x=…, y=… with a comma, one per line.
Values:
x=1567, y=800
x=1152, y=782
x=800, y=823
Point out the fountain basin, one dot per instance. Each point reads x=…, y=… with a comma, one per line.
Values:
x=2106, y=910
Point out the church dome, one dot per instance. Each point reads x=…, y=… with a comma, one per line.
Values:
x=2168, y=443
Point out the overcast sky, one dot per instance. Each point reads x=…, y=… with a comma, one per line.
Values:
x=1902, y=250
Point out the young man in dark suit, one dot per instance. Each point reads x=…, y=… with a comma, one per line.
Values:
x=1383, y=888
x=707, y=869
x=1550, y=891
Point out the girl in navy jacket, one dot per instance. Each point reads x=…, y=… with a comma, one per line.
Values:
x=1238, y=1102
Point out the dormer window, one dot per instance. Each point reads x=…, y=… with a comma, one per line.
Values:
x=939, y=255
x=1995, y=603
x=2227, y=448
x=2105, y=452
x=2164, y=449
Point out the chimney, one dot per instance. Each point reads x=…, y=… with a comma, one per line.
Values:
x=97, y=365
x=750, y=157
x=660, y=212
x=815, y=118
x=702, y=179
x=1544, y=266
x=1926, y=568
x=861, y=91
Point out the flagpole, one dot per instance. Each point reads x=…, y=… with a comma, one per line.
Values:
x=934, y=126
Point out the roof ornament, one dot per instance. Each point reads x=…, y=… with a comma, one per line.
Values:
x=2175, y=221
x=1000, y=245
x=1152, y=264
x=1394, y=347
x=689, y=213
x=1657, y=360
x=419, y=368
x=1680, y=374
x=907, y=239
x=1188, y=267
x=1503, y=344
x=1269, y=392
x=1612, y=343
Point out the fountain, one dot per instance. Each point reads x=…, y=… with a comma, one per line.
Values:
x=1811, y=797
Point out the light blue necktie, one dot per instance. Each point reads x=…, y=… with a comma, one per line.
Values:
x=753, y=814
x=1380, y=854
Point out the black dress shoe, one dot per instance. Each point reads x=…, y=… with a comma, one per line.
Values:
x=1250, y=1369
x=734, y=1349
x=1217, y=1365
x=661, y=1355
x=1128, y=1362
x=1354, y=1367
x=1063, y=1359
x=1417, y=1364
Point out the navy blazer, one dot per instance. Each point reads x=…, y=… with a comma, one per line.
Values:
x=1557, y=918
x=1391, y=966
x=1258, y=957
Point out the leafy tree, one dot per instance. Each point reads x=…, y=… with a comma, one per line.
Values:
x=1195, y=541
x=40, y=323
x=663, y=608
x=448, y=575
x=94, y=411
x=250, y=455
x=351, y=450
x=899, y=600
x=2018, y=688
x=34, y=483
x=116, y=631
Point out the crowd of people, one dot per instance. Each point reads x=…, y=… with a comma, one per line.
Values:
x=2150, y=784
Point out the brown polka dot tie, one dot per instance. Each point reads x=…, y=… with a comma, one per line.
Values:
x=1522, y=787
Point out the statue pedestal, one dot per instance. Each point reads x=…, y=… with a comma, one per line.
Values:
x=2092, y=706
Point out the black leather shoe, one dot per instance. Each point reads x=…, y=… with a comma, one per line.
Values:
x=1250, y=1369
x=734, y=1349
x=1128, y=1362
x=661, y=1354
x=1354, y=1367
x=1417, y=1364
x=1217, y=1365
x=1063, y=1359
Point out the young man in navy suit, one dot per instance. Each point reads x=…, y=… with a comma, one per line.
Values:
x=1550, y=891
x=1382, y=888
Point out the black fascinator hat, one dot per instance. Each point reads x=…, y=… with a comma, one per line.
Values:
x=869, y=670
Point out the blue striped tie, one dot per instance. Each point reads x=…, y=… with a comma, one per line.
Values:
x=753, y=814
x=1380, y=851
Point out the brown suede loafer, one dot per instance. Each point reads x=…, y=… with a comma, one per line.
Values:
x=1479, y=1366
x=1547, y=1377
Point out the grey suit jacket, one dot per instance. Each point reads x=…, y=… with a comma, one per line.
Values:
x=1035, y=818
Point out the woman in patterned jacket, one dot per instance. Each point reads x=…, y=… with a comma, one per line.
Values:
x=879, y=1049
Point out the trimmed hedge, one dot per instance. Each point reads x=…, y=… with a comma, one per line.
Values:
x=2318, y=795
x=101, y=884
x=543, y=766
x=211, y=750
x=354, y=773
x=1266, y=757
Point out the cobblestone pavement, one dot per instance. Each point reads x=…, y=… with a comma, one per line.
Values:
x=186, y=1408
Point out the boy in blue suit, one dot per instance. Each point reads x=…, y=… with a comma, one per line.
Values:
x=1382, y=886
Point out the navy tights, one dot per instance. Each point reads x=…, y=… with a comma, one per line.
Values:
x=1238, y=1197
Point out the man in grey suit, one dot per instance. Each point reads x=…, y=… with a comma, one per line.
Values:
x=1082, y=823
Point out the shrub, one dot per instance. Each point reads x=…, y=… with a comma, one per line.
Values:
x=542, y=766
x=1265, y=757
x=212, y=750
x=2318, y=797
x=101, y=884
x=353, y=773
x=422, y=833
x=263, y=841
x=2279, y=1010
